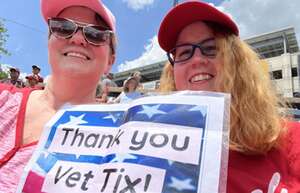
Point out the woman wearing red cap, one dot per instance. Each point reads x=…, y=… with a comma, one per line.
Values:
x=81, y=48
x=206, y=53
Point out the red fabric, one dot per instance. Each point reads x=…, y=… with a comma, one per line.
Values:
x=13, y=154
x=20, y=120
x=276, y=172
x=34, y=183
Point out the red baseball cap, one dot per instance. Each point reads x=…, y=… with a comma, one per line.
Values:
x=188, y=13
x=51, y=8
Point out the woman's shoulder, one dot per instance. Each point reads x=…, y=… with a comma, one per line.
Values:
x=260, y=173
x=293, y=126
x=291, y=146
x=287, y=151
x=257, y=172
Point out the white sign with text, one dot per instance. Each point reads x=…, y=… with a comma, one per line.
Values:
x=155, y=144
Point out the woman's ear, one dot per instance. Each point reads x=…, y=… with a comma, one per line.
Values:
x=111, y=61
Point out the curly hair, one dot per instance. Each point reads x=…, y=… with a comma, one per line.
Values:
x=255, y=121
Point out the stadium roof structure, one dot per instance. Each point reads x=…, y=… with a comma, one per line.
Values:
x=275, y=43
x=149, y=72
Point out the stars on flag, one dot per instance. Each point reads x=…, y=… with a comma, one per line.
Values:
x=113, y=117
x=170, y=162
x=75, y=120
x=150, y=111
x=122, y=157
x=181, y=185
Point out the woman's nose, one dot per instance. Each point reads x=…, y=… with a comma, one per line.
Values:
x=198, y=57
x=78, y=38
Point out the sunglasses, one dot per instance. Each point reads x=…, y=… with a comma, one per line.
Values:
x=184, y=52
x=66, y=28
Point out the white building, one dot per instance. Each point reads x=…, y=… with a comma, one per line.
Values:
x=280, y=50
x=285, y=73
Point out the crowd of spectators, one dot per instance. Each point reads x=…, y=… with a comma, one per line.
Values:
x=129, y=91
x=34, y=80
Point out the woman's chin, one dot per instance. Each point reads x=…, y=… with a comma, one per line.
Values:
x=199, y=87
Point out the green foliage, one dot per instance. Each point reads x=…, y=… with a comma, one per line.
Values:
x=3, y=75
x=3, y=39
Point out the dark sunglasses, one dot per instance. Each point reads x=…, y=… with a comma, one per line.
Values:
x=184, y=52
x=66, y=28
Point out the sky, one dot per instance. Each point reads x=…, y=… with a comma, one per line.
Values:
x=137, y=26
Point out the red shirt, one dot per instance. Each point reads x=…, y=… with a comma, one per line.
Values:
x=40, y=78
x=276, y=172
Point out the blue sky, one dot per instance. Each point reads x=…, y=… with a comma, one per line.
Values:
x=137, y=26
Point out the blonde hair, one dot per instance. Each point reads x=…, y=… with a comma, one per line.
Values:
x=255, y=122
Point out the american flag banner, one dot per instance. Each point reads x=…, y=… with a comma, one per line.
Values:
x=156, y=144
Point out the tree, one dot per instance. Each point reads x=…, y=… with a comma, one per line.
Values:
x=3, y=51
x=3, y=75
x=3, y=39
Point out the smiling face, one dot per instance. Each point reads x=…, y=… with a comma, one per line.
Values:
x=200, y=72
x=75, y=57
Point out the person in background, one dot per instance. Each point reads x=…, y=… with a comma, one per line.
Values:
x=138, y=76
x=81, y=46
x=206, y=53
x=14, y=78
x=104, y=96
x=108, y=81
x=32, y=81
x=36, y=72
x=129, y=91
x=102, y=91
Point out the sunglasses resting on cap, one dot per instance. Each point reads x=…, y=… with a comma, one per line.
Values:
x=65, y=28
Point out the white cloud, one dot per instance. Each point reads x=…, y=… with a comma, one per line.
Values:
x=256, y=17
x=138, y=4
x=152, y=54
